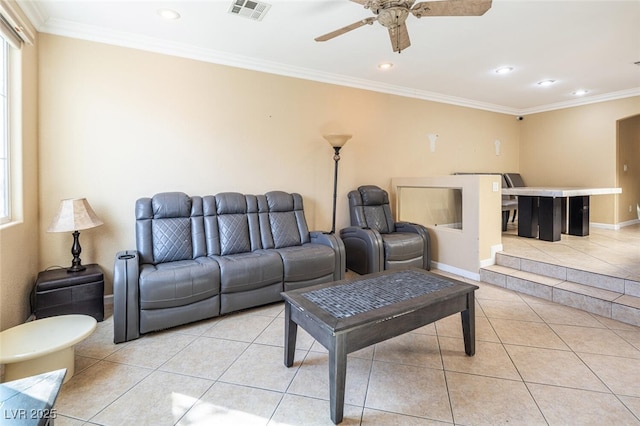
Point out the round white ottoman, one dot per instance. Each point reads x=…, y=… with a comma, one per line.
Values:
x=43, y=345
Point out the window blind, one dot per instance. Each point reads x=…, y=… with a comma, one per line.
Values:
x=14, y=28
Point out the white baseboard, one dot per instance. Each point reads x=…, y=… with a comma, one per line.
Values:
x=457, y=271
x=615, y=227
x=629, y=223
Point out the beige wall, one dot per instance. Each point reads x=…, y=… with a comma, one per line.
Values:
x=576, y=147
x=117, y=124
x=19, y=252
x=629, y=179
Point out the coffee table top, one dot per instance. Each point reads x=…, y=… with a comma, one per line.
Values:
x=350, y=303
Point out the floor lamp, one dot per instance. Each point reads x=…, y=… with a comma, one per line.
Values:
x=337, y=142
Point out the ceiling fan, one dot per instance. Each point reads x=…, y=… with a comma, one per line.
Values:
x=393, y=14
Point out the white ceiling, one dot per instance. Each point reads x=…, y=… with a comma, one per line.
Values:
x=582, y=44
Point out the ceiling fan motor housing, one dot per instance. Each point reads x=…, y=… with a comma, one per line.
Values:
x=377, y=6
x=393, y=17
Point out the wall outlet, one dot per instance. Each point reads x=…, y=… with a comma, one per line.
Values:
x=495, y=186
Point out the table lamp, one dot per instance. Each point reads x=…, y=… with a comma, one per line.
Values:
x=74, y=215
x=337, y=142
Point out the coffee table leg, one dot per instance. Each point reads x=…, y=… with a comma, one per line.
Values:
x=469, y=325
x=337, y=376
x=290, y=334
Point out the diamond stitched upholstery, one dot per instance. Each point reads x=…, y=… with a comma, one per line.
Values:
x=285, y=229
x=233, y=224
x=376, y=219
x=234, y=234
x=171, y=239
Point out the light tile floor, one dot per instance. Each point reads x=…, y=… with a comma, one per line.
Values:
x=536, y=362
x=616, y=253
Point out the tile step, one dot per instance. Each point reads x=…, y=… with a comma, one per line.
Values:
x=549, y=286
x=616, y=284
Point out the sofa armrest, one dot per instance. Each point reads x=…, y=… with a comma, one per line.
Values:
x=365, y=249
x=126, y=306
x=333, y=241
x=418, y=229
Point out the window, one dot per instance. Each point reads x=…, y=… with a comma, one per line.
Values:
x=15, y=31
x=5, y=184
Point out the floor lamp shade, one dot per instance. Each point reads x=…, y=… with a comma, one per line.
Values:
x=337, y=141
x=74, y=215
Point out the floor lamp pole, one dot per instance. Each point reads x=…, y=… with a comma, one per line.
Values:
x=336, y=158
x=336, y=142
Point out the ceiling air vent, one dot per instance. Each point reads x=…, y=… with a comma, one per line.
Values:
x=249, y=9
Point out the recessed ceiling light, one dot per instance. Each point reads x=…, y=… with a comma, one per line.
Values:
x=546, y=82
x=168, y=14
x=504, y=70
x=580, y=92
x=385, y=65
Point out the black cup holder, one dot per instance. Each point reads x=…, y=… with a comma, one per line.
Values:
x=126, y=256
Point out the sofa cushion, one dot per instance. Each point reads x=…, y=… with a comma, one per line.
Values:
x=248, y=271
x=171, y=239
x=285, y=229
x=373, y=196
x=171, y=204
x=402, y=246
x=178, y=283
x=169, y=228
x=235, y=222
x=282, y=221
x=307, y=262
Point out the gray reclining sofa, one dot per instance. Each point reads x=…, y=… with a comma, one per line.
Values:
x=200, y=257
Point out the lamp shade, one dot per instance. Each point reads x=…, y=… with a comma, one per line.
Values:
x=74, y=215
x=337, y=141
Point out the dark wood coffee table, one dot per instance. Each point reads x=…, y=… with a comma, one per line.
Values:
x=349, y=315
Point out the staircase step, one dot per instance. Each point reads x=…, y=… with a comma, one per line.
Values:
x=549, y=283
x=593, y=279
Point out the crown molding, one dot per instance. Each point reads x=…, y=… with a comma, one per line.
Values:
x=584, y=101
x=76, y=30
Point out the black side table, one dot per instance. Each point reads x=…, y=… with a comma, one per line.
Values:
x=58, y=292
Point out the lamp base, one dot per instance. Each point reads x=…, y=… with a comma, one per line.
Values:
x=76, y=268
x=76, y=265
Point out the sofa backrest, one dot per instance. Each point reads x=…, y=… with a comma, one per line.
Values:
x=169, y=227
x=282, y=221
x=173, y=226
x=231, y=223
x=369, y=208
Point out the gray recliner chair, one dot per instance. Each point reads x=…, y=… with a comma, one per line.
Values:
x=374, y=242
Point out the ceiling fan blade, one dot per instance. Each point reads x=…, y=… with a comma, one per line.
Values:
x=346, y=29
x=399, y=37
x=451, y=8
